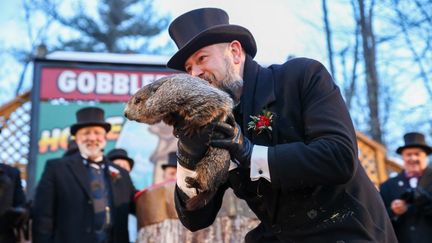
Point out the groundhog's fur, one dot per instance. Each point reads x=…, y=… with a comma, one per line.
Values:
x=199, y=104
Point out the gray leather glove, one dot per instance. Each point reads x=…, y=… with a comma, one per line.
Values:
x=228, y=135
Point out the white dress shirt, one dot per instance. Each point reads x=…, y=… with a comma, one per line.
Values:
x=259, y=168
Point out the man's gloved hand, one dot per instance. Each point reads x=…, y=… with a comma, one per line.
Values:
x=192, y=148
x=16, y=216
x=423, y=200
x=228, y=135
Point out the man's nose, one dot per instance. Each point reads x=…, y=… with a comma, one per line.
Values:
x=92, y=136
x=195, y=71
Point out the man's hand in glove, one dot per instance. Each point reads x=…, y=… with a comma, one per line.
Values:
x=16, y=216
x=423, y=200
x=192, y=148
x=229, y=136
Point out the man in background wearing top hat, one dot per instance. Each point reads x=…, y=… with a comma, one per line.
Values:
x=170, y=168
x=305, y=182
x=121, y=158
x=83, y=197
x=408, y=196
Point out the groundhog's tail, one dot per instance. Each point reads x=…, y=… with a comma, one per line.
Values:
x=199, y=200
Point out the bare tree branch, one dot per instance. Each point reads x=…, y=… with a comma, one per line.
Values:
x=403, y=25
x=328, y=37
x=369, y=55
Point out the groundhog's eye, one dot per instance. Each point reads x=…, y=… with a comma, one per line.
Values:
x=137, y=101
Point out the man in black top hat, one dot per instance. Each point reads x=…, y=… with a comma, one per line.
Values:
x=292, y=144
x=121, y=158
x=170, y=168
x=83, y=197
x=408, y=196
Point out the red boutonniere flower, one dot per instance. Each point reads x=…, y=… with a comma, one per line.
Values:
x=261, y=122
x=114, y=173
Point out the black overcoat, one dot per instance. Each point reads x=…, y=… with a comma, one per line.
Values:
x=11, y=196
x=318, y=192
x=415, y=225
x=63, y=208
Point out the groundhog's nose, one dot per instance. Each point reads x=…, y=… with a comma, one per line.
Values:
x=125, y=114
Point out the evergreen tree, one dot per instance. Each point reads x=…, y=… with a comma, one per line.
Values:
x=120, y=26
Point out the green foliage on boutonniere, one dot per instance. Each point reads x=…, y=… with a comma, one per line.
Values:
x=261, y=122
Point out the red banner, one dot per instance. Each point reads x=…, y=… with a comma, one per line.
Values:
x=93, y=84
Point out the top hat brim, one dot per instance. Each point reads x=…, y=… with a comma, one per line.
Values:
x=216, y=34
x=164, y=166
x=75, y=127
x=427, y=149
x=122, y=157
x=129, y=160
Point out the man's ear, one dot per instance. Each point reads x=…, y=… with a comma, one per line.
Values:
x=236, y=50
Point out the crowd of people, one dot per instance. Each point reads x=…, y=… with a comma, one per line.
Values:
x=296, y=165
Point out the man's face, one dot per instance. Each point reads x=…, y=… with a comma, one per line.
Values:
x=217, y=65
x=169, y=173
x=91, y=141
x=123, y=163
x=415, y=161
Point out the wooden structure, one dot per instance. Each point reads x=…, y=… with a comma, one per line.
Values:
x=374, y=160
x=15, y=132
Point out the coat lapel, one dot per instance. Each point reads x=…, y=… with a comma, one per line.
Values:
x=80, y=172
x=115, y=189
x=258, y=94
x=115, y=184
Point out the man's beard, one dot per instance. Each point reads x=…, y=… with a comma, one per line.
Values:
x=92, y=153
x=231, y=83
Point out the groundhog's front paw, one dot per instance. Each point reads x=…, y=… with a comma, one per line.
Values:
x=192, y=183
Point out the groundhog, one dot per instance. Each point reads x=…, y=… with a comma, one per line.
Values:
x=197, y=103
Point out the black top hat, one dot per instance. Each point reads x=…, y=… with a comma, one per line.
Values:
x=415, y=140
x=120, y=154
x=203, y=27
x=172, y=161
x=89, y=116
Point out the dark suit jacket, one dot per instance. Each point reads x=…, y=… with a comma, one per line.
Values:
x=17, y=196
x=414, y=225
x=11, y=195
x=63, y=207
x=318, y=192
